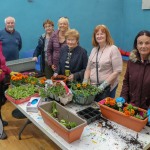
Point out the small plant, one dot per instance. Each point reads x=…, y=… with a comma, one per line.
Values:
x=57, y=90
x=85, y=90
x=54, y=113
x=24, y=91
x=68, y=124
x=19, y=79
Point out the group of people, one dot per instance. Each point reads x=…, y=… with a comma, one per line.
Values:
x=62, y=54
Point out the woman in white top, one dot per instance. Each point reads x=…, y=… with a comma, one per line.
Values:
x=105, y=62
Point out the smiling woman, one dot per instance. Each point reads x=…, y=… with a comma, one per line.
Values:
x=138, y=68
x=73, y=58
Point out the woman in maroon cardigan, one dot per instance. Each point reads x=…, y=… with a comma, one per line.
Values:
x=56, y=42
x=4, y=70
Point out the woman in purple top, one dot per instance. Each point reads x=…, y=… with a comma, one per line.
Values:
x=56, y=42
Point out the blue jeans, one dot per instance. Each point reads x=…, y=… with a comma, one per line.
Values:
x=113, y=92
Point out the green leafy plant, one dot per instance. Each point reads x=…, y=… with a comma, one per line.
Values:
x=54, y=113
x=84, y=90
x=23, y=91
x=57, y=90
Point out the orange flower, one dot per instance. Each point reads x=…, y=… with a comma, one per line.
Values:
x=42, y=81
x=125, y=109
x=33, y=82
x=127, y=113
x=78, y=85
x=112, y=102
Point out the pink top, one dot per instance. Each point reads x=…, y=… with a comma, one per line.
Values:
x=109, y=61
x=3, y=67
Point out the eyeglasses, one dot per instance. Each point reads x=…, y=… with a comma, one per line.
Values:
x=46, y=27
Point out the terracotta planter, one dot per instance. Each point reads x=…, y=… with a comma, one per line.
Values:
x=120, y=118
x=59, y=78
x=68, y=135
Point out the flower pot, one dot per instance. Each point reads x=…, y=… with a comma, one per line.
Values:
x=56, y=97
x=80, y=99
x=59, y=78
x=120, y=118
x=66, y=99
x=51, y=96
x=69, y=135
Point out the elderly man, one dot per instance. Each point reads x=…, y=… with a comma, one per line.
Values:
x=11, y=40
x=11, y=45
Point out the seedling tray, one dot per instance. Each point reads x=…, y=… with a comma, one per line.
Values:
x=90, y=114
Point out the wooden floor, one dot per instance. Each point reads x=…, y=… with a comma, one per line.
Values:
x=32, y=137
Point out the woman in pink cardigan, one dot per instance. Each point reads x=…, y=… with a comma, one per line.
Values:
x=104, y=64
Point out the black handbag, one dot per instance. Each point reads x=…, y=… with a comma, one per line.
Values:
x=106, y=92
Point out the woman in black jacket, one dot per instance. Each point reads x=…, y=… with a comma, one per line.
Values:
x=73, y=58
x=42, y=48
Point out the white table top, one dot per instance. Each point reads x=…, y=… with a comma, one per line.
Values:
x=94, y=137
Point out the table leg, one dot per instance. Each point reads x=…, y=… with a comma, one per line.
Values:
x=23, y=127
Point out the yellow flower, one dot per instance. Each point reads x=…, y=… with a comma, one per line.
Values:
x=78, y=85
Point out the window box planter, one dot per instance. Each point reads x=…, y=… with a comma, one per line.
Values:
x=120, y=118
x=69, y=135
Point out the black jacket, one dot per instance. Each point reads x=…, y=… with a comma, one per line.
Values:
x=40, y=51
x=78, y=62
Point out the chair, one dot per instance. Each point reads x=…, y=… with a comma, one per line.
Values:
x=29, y=53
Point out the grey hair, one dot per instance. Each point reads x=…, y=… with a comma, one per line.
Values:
x=8, y=18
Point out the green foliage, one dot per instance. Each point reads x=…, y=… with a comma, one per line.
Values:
x=23, y=91
x=84, y=90
x=54, y=113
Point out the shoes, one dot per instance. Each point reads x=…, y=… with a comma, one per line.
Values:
x=4, y=136
x=18, y=114
x=5, y=123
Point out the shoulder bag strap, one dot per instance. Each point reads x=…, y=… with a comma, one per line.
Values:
x=97, y=66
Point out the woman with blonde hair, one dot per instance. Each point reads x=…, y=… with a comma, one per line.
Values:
x=104, y=64
x=56, y=42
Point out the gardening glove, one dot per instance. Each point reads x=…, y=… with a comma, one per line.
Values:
x=103, y=86
x=13, y=73
x=120, y=101
x=148, y=114
x=85, y=81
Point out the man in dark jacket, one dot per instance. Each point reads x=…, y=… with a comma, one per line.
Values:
x=11, y=40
